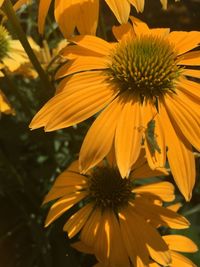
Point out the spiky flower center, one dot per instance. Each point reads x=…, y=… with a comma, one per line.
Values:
x=4, y=42
x=108, y=189
x=145, y=66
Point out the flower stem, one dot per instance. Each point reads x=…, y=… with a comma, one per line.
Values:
x=14, y=21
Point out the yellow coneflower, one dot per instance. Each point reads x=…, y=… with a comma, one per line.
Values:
x=142, y=83
x=116, y=215
x=12, y=54
x=84, y=14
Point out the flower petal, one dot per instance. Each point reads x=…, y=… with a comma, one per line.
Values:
x=86, y=94
x=180, y=260
x=93, y=43
x=62, y=205
x=76, y=221
x=124, y=31
x=121, y=9
x=81, y=64
x=42, y=14
x=180, y=156
x=190, y=88
x=100, y=136
x=182, y=116
x=164, y=190
x=184, y=41
x=180, y=243
x=192, y=73
x=128, y=136
x=88, y=17
x=138, y=4
x=191, y=58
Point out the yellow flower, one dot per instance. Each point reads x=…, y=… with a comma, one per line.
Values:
x=84, y=14
x=5, y=106
x=12, y=54
x=116, y=217
x=141, y=83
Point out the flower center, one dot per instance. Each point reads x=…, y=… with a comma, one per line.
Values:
x=146, y=66
x=4, y=42
x=108, y=189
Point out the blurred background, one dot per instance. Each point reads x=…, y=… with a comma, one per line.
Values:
x=30, y=160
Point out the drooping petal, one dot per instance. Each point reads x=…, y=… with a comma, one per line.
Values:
x=42, y=13
x=121, y=9
x=154, y=137
x=164, y=190
x=180, y=243
x=77, y=220
x=181, y=115
x=159, y=215
x=75, y=51
x=100, y=136
x=62, y=205
x=86, y=94
x=138, y=4
x=131, y=235
x=146, y=172
x=88, y=17
x=190, y=88
x=180, y=156
x=180, y=260
x=128, y=136
x=89, y=232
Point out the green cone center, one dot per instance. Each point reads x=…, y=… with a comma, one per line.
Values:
x=4, y=42
x=108, y=189
x=145, y=66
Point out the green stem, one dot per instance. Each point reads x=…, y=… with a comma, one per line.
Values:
x=14, y=21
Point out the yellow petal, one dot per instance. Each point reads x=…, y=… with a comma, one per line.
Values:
x=100, y=136
x=180, y=260
x=156, y=156
x=5, y=106
x=180, y=243
x=76, y=221
x=89, y=232
x=184, y=41
x=81, y=64
x=192, y=73
x=190, y=88
x=86, y=94
x=131, y=235
x=66, y=15
x=160, y=32
x=140, y=27
x=175, y=207
x=88, y=17
x=182, y=116
x=191, y=58
x=93, y=43
x=80, y=246
x=121, y=9
x=57, y=192
x=124, y=31
x=180, y=156
x=146, y=172
x=42, y=13
x=164, y=190
x=138, y=4
x=160, y=215
x=62, y=205
x=128, y=136
x=75, y=51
